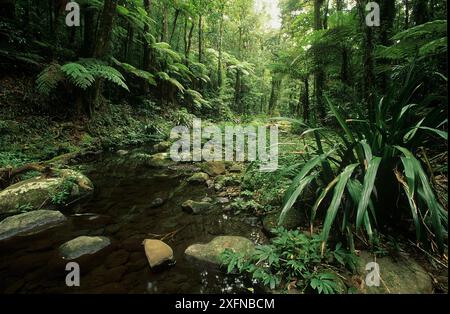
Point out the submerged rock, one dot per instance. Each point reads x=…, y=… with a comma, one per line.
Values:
x=122, y=152
x=29, y=223
x=160, y=160
x=194, y=207
x=83, y=245
x=36, y=193
x=210, y=252
x=157, y=202
x=158, y=253
x=401, y=275
x=199, y=177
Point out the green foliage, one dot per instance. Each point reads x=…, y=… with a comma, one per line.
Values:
x=292, y=259
x=421, y=41
x=82, y=74
x=61, y=194
x=371, y=152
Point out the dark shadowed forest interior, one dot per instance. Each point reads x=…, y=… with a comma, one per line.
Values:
x=105, y=181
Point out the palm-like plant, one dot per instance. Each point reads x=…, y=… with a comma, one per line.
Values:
x=375, y=164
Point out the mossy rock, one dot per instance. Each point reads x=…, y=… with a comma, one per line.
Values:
x=198, y=178
x=160, y=160
x=37, y=193
x=210, y=252
x=195, y=208
x=214, y=168
x=292, y=220
x=400, y=275
x=29, y=223
x=83, y=245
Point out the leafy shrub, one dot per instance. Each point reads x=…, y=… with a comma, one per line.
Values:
x=374, y=165
x=293, y=259
x=61, y=194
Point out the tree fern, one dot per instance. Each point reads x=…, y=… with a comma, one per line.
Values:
x=49, y=78
x=81, y=74
x=147, y=76
x=78, y=75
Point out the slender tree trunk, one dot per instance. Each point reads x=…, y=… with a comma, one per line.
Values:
x=200, y=38
x=128, y=42
x=273, y=102
x=306, y=100
x=219, y=62
x=387, y=14
x=319, y=75
x=189, y=42
x=368, y=61
x=174, y=26
x=102, y=45
x=420, y=12
x=89, y=18
x=165, y=23
x=406, y=2
x=325, y=15
x=344, y=66
x=50, y=16
x=147, y=57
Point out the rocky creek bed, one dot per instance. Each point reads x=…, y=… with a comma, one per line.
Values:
x=136, y=197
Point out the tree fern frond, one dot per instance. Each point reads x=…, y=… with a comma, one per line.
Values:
x=49, y=78
x=78, y=75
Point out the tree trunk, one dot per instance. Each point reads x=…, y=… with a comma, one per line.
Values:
x=128, y=42
x=368, y=61
x=189, y=42
x=102, y=45
x=319, y=75
x=200, y=38
x=89, y=31
x=177, y=13
x=219, y=62
x=306, y=100
x=420, y=12
x=344, y=66
x=165, y=23
x=273, y=102
x=406, y=2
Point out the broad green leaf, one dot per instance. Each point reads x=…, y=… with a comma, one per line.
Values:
x=368, y=185
x=336, y=201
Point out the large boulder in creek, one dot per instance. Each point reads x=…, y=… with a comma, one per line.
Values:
x=40, y=192
x=196, y=208
x=210, y=253
x=158, y=253
x=83, y=245
x=29, y=223
x=399, y=275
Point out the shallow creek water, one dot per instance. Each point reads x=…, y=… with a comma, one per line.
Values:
x=120, y=209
